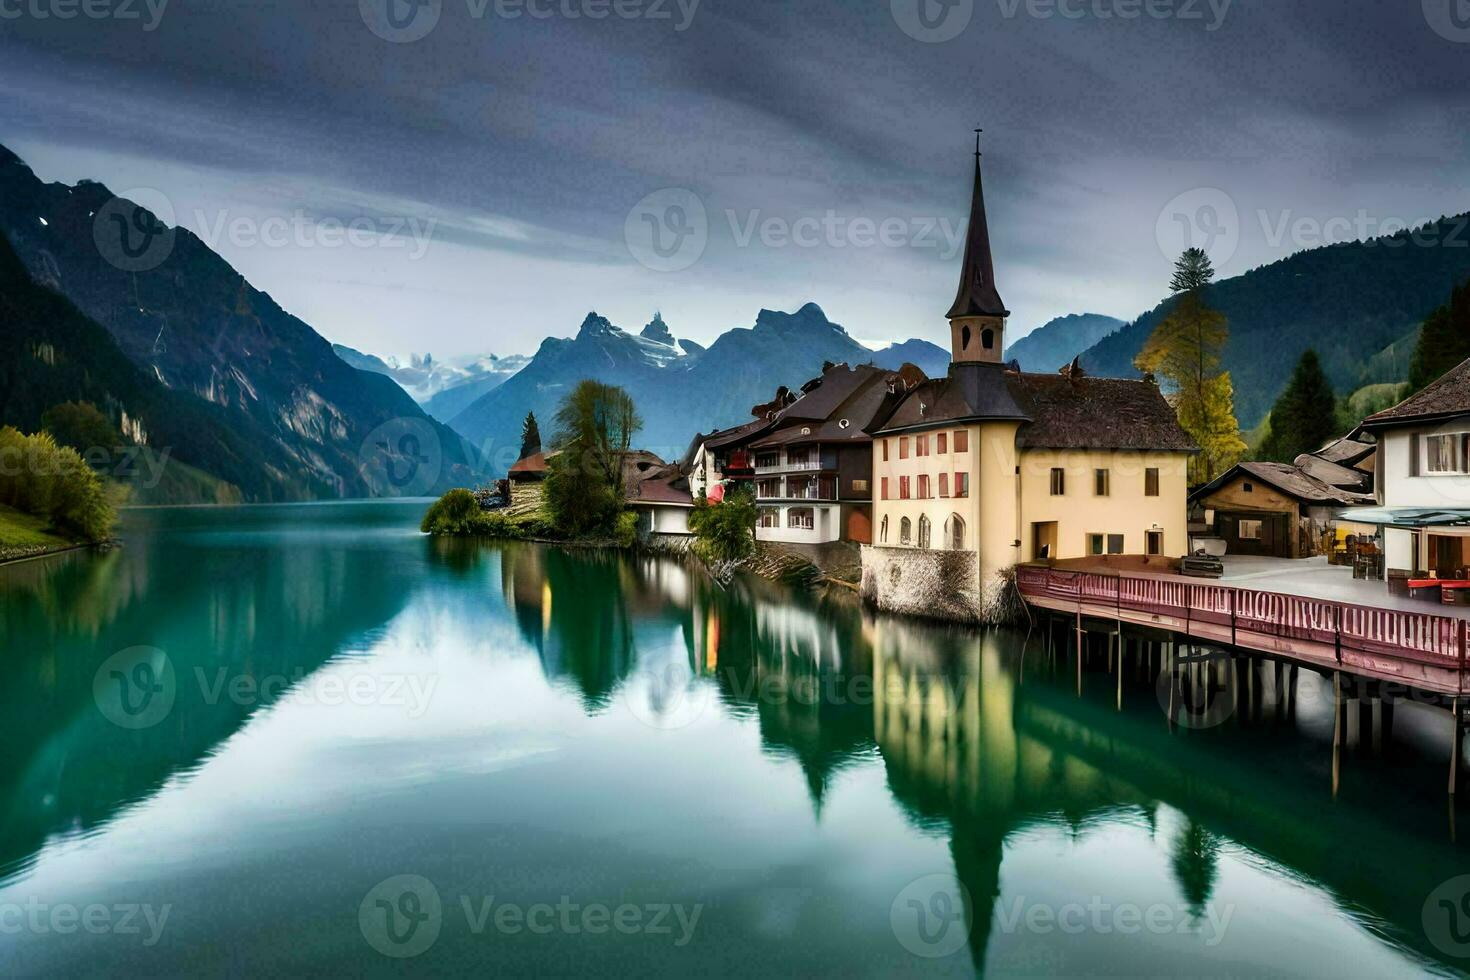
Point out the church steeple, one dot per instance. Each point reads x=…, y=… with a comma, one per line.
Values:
x=977, y=318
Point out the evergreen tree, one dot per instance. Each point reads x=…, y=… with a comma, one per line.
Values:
x=1444, y=340
x=1304, y=418
x=530, y=436
x=1185, y=349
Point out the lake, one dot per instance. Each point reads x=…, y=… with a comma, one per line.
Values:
x=306, y=739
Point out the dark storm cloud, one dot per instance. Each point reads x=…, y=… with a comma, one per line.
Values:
x=529, y=140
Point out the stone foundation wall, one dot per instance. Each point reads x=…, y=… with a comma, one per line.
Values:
x=915, y=582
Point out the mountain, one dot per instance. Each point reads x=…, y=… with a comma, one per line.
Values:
x=1053, y=344
x=932, y=359
x=182, y=315
x=1358, y=304
x=425, y=378
x=51, y=353
x=679, y=388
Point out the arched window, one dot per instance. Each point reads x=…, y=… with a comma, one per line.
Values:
x=923, y=532
x=905, y=531
x=964, y=338
x=883, y=530
x=955, y=531
x=987, y=338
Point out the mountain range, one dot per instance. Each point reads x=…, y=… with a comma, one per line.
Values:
x=1358, y=304
x=680, y=387
x=425, y=378
x=290, y=418
x=1056, y=342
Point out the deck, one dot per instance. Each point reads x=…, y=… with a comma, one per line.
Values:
x=1318, y=616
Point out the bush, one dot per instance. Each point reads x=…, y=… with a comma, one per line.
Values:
x=40, y=478
x=724, y=531
x=457, y=512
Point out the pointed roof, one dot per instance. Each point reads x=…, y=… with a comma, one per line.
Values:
x=977, y=295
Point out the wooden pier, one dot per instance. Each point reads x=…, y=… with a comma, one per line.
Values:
x=1374, y=655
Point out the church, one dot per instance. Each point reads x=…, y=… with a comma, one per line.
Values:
x=989, y=467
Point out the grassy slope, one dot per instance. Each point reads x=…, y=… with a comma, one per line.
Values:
x=22, y=534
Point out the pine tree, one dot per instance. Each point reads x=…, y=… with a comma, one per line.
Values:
x=1184, y=350
x=1444, y=340
x=530, y=436
x=1304, y=418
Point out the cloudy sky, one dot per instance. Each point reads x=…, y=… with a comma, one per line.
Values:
x=505, y=166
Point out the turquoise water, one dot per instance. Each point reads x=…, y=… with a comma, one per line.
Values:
x=308, y=740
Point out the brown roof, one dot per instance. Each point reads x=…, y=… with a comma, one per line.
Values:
x=1334, y=474
x=736, y=433
x=1448, y=396
x=667, y=485
x=970, y=392
x=1290, y=480
x=867, y=398
x=530, y=466
x=1346, y=451
x=1096, y=413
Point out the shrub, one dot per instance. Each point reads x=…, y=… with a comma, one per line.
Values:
x=457, y=512
x=39, y=477
x=724, y=531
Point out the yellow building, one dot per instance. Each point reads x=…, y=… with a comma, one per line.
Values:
x=989, y=466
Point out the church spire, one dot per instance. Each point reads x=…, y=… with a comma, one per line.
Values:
x=977, y=295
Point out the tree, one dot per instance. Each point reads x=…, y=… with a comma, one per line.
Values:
x=1304, y=418
x=584, y=478
x=725, y=531
x=530, y=436
x=1184, y=350
x=50, y=481
x=81, y=426
x=1444, y=340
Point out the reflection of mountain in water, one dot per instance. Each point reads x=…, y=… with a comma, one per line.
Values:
x=222, y=611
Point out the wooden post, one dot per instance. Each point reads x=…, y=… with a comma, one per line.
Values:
x=1338, y=721
x=1458, y=736
x=1079, y=652
x=1120, y=667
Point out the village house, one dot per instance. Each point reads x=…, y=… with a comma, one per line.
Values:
x=989, y=467
x=662, y=499
x=1285, y=510
x=1423, y=483
x=813, y=467
x=722, y=459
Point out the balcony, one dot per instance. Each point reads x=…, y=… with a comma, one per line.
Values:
x=791, y=466
x=796, y=490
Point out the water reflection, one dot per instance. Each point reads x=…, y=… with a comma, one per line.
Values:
x=1036, y=794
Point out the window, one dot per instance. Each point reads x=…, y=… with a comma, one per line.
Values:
x=859, y=486
x=770, y=517
x=944, y=484
x=1151, y=485
x=1440, y=454
x=885, y=450
x=1155, y=543
x=905, y=531
x=1095, y=544
x=764, y=460
x=800, y=517
x=987, y=338
x=1110, y=544
x=903, y=447
x=883, y=485
x=921, y=445
x=883, y=530
x=941, y=439
x=923, y=486
x=1248, y=530
x=923, y=532
x=1247, y=488
x=1115, y=544
x=1058, y=482
x=962, y=441
x=962, y=484
x=1100, y=483
x=964, y=338
x=903, y=488
x=956, y=532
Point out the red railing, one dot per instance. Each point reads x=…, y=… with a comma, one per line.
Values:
x=1364, y=633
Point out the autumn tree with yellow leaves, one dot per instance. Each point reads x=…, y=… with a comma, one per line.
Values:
x=1184, y=351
